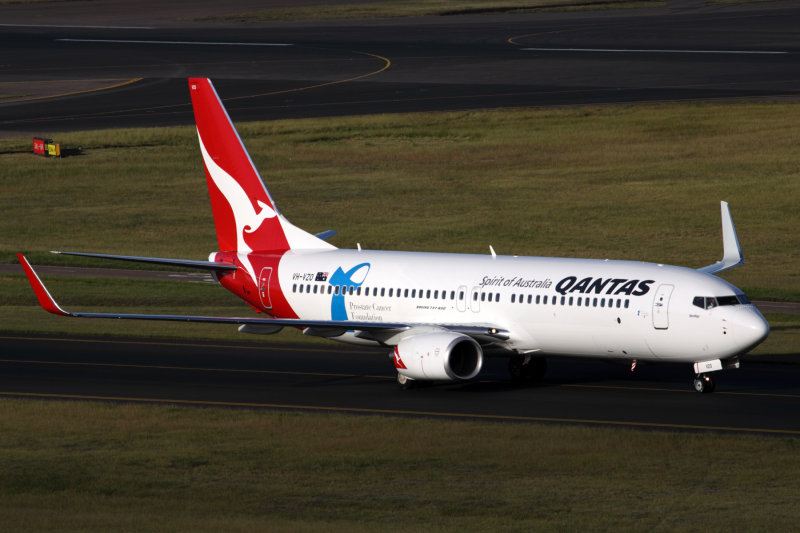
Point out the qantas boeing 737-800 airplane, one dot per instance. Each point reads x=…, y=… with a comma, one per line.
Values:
x=440, y=314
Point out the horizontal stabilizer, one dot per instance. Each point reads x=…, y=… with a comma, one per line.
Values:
x=187, y=263
x=325, y=235
x=732, y=251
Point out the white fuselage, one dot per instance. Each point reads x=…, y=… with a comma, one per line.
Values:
x=548, y=306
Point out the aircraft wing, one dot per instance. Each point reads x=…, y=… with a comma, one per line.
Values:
x=326, y=328
x=732, y=250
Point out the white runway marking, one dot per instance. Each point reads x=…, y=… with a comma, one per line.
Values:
x=202, y=43
x=655, y=51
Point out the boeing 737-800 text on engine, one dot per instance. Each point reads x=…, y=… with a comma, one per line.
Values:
x=440, y=314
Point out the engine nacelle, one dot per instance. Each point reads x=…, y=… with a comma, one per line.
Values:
x=439, y=356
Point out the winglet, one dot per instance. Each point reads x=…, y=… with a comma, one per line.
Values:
x=45, y=299
x=731, y=249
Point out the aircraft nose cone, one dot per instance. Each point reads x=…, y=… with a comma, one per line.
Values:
x=754, y=329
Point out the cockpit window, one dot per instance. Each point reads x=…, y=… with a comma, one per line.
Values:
x=704, y=302
x=728, y=300
x=710, y=302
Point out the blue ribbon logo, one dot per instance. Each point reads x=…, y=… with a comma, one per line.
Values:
x=344, y=280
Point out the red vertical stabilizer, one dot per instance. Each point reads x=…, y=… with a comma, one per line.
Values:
x=245, y=216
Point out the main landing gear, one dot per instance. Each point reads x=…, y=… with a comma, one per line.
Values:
x=526, y=369
x=703, y=383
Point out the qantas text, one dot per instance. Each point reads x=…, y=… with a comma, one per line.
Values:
x=631, y=287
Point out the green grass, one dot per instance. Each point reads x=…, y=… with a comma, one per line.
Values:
x=639, y=182
x=420, y=8
x=89, y=467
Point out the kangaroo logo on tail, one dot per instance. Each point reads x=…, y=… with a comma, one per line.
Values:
x=246, y=218
x=244, y=214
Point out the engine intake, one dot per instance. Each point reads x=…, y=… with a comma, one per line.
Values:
x=439, y=356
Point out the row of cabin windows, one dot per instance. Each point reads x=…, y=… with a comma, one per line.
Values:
x=443, y=295
x=578, y=301
x=383, y=292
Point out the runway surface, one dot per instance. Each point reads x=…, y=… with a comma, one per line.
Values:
x=758, y=398
x=136, y=76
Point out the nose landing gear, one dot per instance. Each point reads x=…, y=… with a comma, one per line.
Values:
x=703, y=383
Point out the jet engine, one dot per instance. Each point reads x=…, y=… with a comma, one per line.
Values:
x=438, y=356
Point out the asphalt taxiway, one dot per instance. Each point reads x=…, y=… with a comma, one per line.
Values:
x=121, y=76
x=758, y=398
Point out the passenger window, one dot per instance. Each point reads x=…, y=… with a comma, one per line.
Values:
x=570, y=300
x=544, y=300
x=513, y=296
x=563, y=299
x=530, y=297
x=294, y=287
x=483, y=296
x=538, y=299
